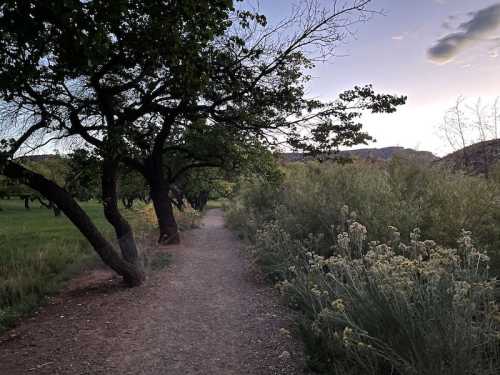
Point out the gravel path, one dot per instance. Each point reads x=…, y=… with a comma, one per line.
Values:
x=204, y=314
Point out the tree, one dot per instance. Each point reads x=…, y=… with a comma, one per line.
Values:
x=68, y=65
x=50, y=190
x=455, y=128
x=10, y=188
x=169, y=87
x=131, y=187
x=58, y=61
x=197, y=186
x=248, y=87
x=465, y=124
x=55, y=168
x=83, y=177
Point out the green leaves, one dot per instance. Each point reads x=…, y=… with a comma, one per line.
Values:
x=246, y=17
x=191, y=83
x=338, y=123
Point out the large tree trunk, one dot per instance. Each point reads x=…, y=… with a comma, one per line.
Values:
x=159, y=194
x=123, y=230
x=169, y=232
x=51, y=191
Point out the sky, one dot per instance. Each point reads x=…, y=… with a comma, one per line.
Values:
x=433, y=51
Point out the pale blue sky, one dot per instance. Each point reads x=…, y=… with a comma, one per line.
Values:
x=391, y=52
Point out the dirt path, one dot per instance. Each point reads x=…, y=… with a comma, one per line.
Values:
x=204, y=314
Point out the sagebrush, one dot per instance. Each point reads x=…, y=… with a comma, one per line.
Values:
x=372, y=303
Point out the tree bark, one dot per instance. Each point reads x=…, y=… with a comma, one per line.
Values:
x=51, y=191
x=169, y=232
x=123, y=230
x=159, y=194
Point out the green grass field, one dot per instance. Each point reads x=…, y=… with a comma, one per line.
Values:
x=39, y=252
x=21, y=228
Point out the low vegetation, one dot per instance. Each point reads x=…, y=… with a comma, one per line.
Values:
x=39, y=252
x=188, y=218
x=390, y=264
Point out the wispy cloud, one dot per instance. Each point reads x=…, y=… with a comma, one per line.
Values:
x=481, y=26
x=402, y=36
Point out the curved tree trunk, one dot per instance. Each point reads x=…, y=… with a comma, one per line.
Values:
x=159, y=194
x=169, y=232
x=51, y=191
x=123, y=230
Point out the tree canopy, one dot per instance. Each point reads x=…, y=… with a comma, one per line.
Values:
x=170, y=87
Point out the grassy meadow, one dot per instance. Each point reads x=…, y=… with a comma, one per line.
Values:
x=39, y=252
x=392, y=266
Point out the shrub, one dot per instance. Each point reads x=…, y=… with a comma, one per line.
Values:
x=418, y=309
x=370, y=303
x=253, y=205
x=312, y=197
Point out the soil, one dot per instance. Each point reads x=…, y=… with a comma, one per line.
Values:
x=203, y=314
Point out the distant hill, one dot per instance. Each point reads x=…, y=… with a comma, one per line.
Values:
x=387, y=153
x=478, y=158
x=39, y=158
x=378, y=154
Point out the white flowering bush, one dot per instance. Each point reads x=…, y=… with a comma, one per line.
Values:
x=392, y=308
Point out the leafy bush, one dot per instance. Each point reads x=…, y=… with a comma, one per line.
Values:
x=370, y=303
x=254, y=205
